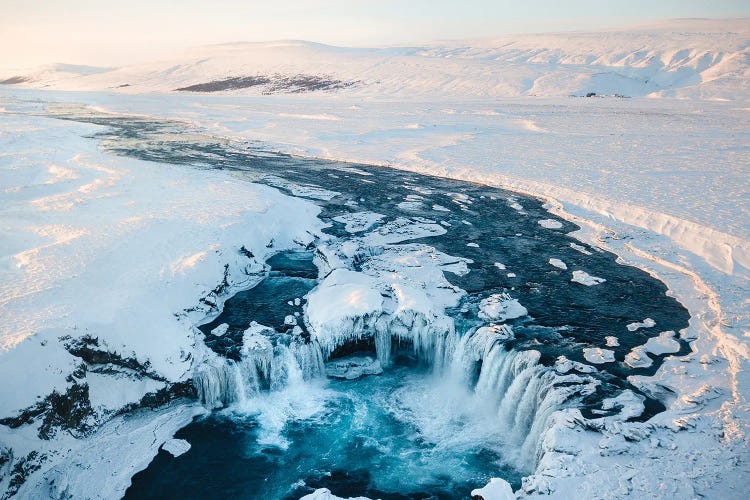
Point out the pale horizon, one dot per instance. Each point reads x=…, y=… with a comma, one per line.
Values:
x=111, y=35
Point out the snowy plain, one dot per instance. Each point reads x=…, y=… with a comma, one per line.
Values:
x=661, y=182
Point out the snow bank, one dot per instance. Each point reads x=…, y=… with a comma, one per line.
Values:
x=325, y=494
x=496, y=489
x=109, y=262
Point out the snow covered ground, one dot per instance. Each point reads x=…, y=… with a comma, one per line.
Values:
x=661, y=182
x=695, y=58
x=111, y=261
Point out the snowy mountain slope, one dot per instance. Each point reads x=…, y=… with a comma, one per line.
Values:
x=708, y=59
x=48, y=74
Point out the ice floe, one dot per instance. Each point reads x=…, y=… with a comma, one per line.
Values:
x=558, y=264
x=585, y=278
x=550, y=224
x=598, y=355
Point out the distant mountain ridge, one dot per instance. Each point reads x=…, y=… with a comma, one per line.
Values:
x=685, y=58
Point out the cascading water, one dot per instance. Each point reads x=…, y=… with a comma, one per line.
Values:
x=522, y=393
x=220, y=382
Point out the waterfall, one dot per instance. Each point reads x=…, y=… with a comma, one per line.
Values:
x=220, y=382
x=522, y=393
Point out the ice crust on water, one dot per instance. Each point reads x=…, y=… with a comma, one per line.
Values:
x=358, y=221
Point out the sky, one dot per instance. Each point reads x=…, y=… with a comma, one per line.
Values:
x=114, y=33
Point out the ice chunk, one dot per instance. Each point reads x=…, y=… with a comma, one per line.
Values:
x=501, y=307
x=629, y=403
x=500, y=266
x=585, y=278
x=359, y=221
x=220, y=330
x=637, y=358
x=176, y=447
x=663, y=344
x=496, y=332
x=564, y=365
x=612, y=341
x=325, y=494
x=411, y=205
x=558, y=264
x=550, y=224
x=646, y=323
x=472, y=244
x=580, y=248
x=598, y=356
x=353, y=367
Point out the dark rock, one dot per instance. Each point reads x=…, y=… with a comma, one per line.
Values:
x=14, y=80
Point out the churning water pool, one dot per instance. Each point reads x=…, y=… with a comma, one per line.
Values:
x=404, y=434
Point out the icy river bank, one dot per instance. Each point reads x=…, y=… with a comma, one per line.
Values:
x=475, y=302
x=480, y=286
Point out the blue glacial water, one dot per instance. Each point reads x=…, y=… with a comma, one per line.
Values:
x=411, y=432
x=390, y=436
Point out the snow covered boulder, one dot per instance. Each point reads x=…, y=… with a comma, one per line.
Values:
x=496, y=489
x=325, y=494
x=353, y=367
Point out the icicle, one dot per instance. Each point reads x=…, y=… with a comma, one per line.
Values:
x=383, y=347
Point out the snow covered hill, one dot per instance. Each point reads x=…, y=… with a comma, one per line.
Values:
x=689, y=58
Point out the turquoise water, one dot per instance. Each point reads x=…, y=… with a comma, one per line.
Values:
x=403, y=434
